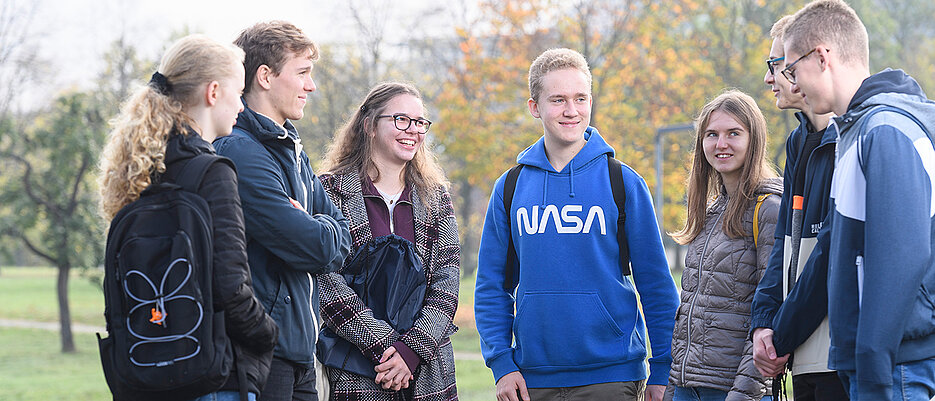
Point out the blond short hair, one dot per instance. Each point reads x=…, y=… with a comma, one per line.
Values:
x=779, y=28
x=553, y=60
x=832, y=23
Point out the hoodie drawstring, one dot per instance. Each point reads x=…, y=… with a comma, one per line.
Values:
x=571, y=179
x=545, y=187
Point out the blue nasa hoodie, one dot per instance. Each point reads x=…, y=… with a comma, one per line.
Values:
x=577, y=321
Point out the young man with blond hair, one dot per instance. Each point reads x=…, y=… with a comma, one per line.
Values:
x=577, y=332
x=790, y=307
x=881, y=239
x=293, y=230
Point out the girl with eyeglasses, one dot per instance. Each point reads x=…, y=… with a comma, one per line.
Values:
x=386, y=181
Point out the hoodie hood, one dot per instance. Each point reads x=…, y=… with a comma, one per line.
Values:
x=886, y=81
x=892, y=88
x=594, y=148
x=183, y=146
x=263, y=127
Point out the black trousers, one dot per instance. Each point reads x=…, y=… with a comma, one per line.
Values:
x=289, y=382
x=825, y=386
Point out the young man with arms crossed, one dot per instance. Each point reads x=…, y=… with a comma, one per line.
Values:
x=881, y=244
x=578, y=330
x=293, y=230
x=784, y=322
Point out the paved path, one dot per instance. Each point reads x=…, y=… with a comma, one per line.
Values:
x=86, y=328
x=52, y=326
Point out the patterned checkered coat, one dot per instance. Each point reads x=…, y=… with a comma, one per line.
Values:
x=436, y=234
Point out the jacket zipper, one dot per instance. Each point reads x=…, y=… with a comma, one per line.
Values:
x=691, y=307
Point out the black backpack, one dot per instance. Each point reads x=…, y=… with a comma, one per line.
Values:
x=614, y=166
x=165, y=339
x=388, y=275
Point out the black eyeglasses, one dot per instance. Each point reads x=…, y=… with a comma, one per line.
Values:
x=772, y=62
x=789, y=73
x=403, y=122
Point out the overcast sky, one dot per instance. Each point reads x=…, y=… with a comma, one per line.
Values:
x=73, y=34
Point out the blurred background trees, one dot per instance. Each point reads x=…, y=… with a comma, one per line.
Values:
x=654, y=64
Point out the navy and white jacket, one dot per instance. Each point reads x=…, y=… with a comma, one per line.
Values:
x=286, y=244
x=882, y=235
x=577, y=320
x=800, y=321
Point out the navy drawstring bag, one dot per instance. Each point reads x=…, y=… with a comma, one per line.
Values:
x=388, y=277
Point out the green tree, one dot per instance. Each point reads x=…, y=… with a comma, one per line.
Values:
x=483, y=118
x=49, y=195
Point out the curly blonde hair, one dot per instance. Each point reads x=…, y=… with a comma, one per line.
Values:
x=136, y=147
x=352, y=146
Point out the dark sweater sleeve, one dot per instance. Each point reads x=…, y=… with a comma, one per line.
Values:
x=247, y=321
x=314, y=243
x=768, y=296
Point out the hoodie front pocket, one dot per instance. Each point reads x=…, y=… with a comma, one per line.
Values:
x=561, y=329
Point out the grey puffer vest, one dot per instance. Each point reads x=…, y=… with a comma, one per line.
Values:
x=710, y=347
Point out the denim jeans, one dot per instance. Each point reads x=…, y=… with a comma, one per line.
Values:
x=911, y=381
x=703, y=394
x=225, y=396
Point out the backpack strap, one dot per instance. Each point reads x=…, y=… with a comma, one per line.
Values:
x=193, y=172
x=512, y=263
x=756, y=218
x=614, y=168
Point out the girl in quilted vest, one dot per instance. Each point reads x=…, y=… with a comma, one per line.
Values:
x=385, y=180
x=729, y=233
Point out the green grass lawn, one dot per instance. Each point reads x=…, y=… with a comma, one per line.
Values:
x=32, y=368
x=28, y=293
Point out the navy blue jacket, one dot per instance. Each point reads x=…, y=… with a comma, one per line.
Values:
x=286, y=245
x=794, y=320
x=881, y=261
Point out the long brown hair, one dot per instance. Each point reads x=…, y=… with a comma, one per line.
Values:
x=136, y=147
x=704, y=182
x=352, y=145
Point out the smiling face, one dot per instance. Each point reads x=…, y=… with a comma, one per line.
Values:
x=290, y=88
x=780, y=86
x=228, y=106
x=564, y=106
x=725, y=146
x=392, y=147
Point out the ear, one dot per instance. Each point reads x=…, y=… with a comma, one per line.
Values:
x=533, y=107
x=368, y=127
x=824, y=58
x=264, y=74
x=211, y=93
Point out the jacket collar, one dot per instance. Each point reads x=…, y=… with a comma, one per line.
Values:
x=263, y=127
x=348, y=185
